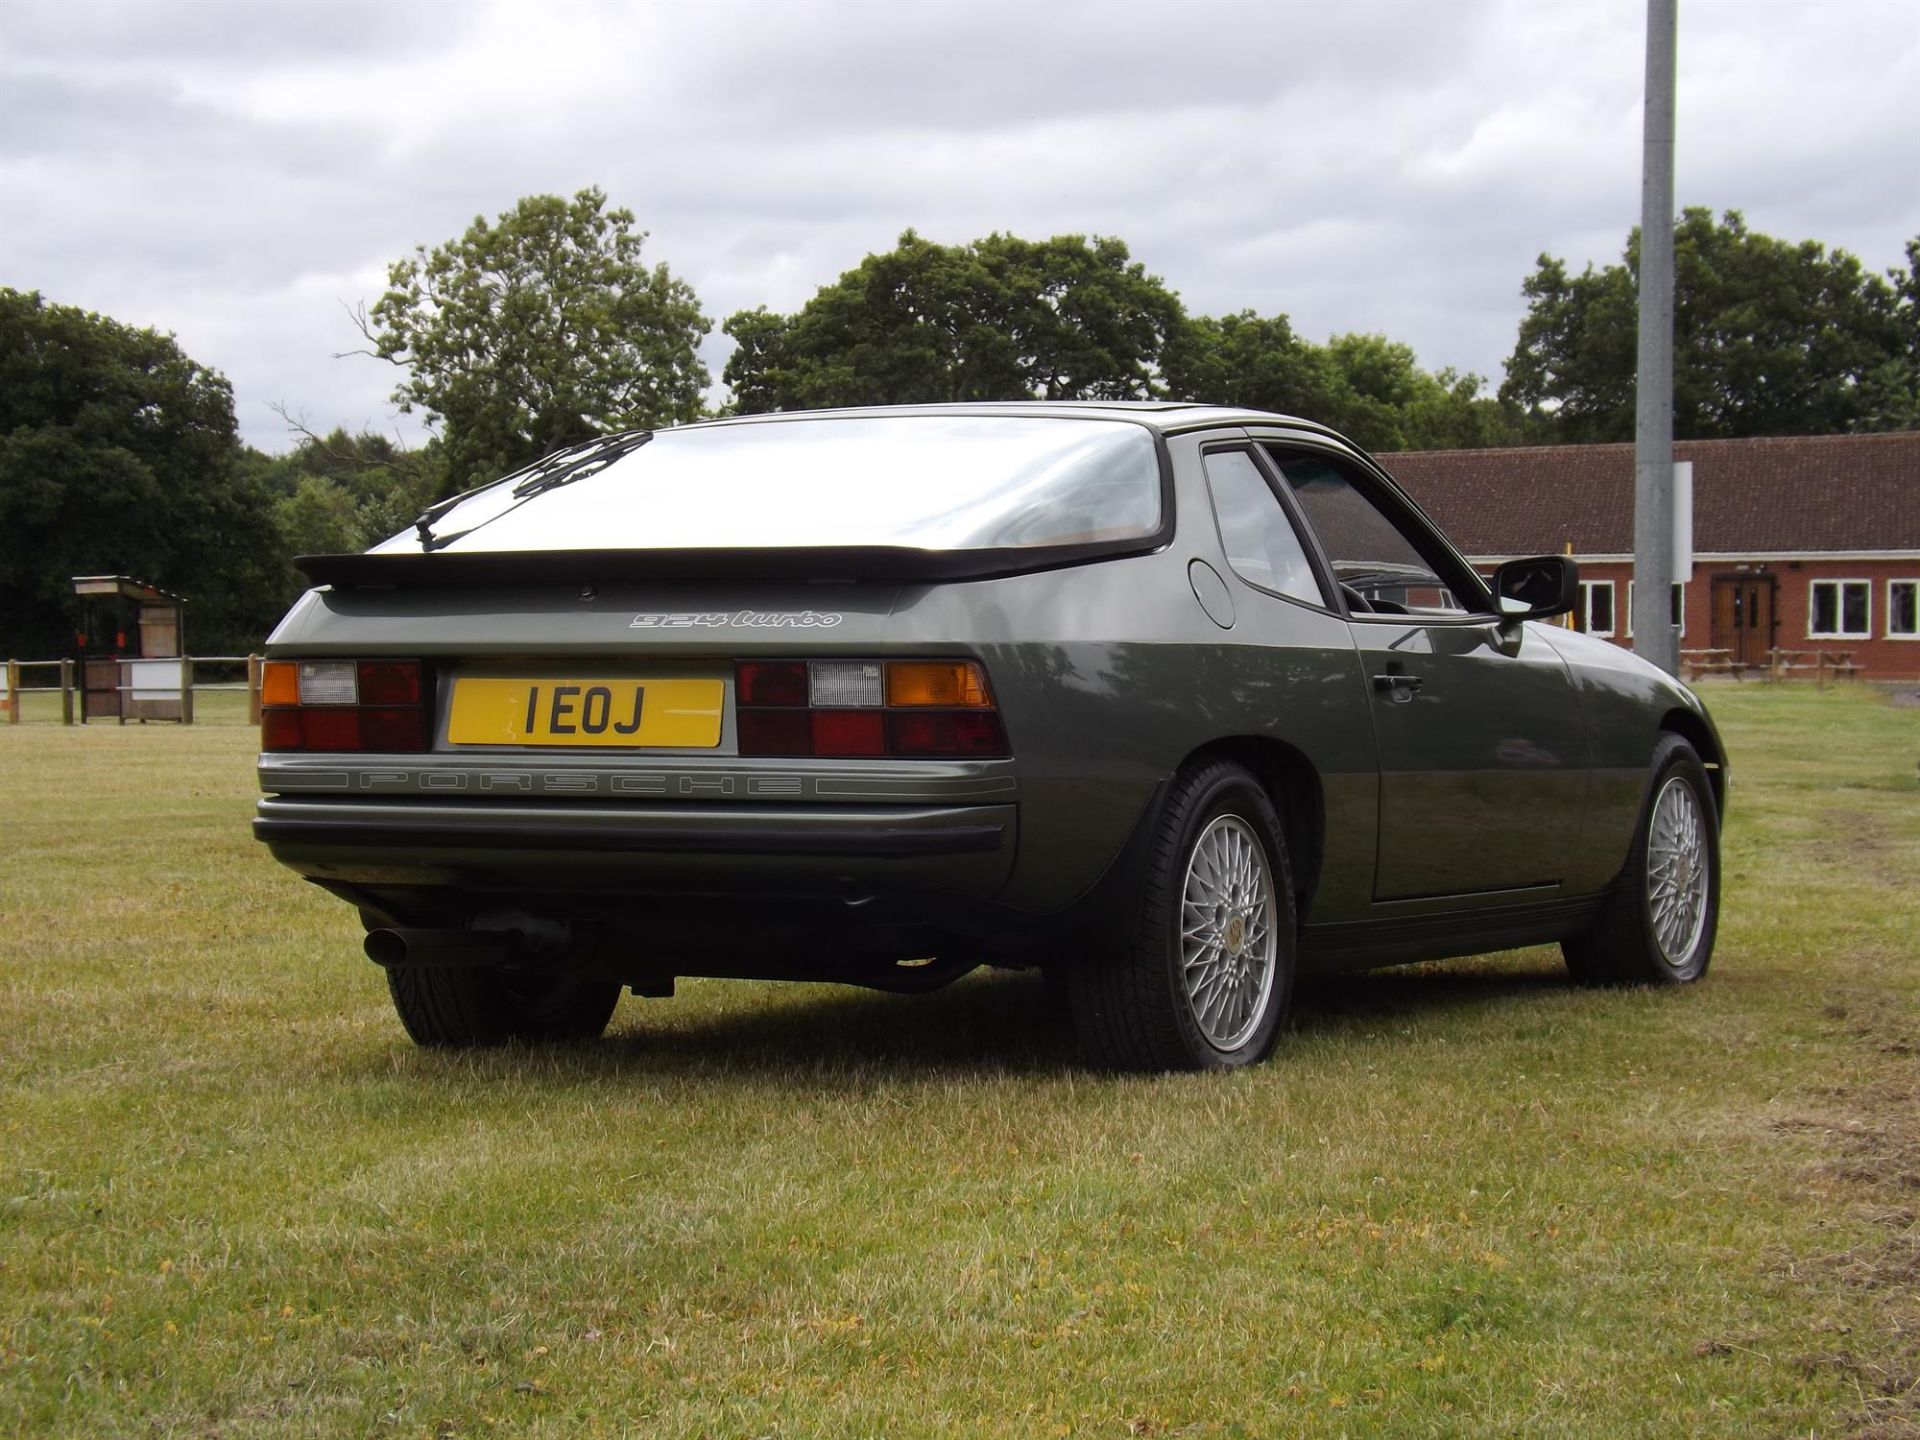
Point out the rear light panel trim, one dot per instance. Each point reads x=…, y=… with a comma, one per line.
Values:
x=788, y=709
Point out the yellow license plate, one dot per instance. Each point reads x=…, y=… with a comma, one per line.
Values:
x=673, y=714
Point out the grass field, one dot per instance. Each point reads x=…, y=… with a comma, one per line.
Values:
x=1464, y=1200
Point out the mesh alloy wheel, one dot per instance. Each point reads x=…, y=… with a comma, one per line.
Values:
x=1227, y=939
x=1677, y=872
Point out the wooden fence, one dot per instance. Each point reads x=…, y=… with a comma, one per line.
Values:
x=1818, y=665
x=67, y=685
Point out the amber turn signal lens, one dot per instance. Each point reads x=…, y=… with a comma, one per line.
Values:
x=279, y=683
x=950, y=684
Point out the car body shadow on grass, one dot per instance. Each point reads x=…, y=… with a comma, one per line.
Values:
x=994, y=1023
x=986, y=1023
x=1365, y=1002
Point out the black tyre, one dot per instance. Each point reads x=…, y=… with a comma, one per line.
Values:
x=1056, y=1001
x=1658, y=925
x=1206, y=982
x=461, y=1007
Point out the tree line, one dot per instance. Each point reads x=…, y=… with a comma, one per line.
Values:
x=118, y=452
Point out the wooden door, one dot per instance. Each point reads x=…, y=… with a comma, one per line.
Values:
x=1743, y=617
x=99, y=689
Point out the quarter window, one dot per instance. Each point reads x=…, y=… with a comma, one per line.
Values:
x=1903, y=609
x=1839, y=610
x=1596, y=607
x=1262, y=546
x=1380, y=569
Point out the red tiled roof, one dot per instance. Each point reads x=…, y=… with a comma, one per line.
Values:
x=1750, y=497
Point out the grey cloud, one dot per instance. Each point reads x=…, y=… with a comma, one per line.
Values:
x=104, y=31
x=1390, y=167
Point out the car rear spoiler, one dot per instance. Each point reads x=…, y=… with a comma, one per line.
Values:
x=450, y=569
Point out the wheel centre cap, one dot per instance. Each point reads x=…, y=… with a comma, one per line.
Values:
x=1236, y=936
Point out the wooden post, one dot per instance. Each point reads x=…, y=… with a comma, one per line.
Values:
x=253, y=688
x=66, y=692
x=186, y=690
x=13, y=692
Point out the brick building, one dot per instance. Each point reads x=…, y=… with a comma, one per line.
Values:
x=1803, y=544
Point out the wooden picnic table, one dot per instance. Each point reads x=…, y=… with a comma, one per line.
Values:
x=1785, y=664
x=1710, y=662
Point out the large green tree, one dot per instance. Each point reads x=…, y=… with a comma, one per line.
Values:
x=1001, y=318
x=1770, y=338
x=1368, y=387
x=1891, y=390
x=118, y=455
x=340, y=492
x=537, y=331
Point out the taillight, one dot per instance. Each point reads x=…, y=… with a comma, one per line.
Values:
x=372, y=706
x=971, y=733
x=761, y=682
x=873, y=709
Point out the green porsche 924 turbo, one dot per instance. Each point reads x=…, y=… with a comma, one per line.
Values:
x=1171, y=701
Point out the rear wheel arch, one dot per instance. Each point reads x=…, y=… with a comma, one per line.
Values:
x=1293, y=786
x=1202, y=974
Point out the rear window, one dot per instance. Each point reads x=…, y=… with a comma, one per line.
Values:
x=930, y=482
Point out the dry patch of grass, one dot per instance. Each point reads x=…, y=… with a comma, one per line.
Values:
x=1464, y=1199
x=1869, y=1131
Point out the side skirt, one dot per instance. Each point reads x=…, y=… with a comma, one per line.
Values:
x=1404, y=939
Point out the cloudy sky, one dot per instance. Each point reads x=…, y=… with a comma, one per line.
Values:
x=237, y=174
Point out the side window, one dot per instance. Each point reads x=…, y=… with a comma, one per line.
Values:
x=1379, y=569
x=1903, y=609
x=1839, y=610
x=1262, y=546
x=1596, y=607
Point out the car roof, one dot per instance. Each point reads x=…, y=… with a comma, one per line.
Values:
x=1165, y=416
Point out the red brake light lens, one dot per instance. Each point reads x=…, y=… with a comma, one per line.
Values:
x=974, y=734
x=280, y=729
x=395, y=729
x=769, y=682
x=389, y=682
x=330, y=729
x=849, y=732
x=775, y=732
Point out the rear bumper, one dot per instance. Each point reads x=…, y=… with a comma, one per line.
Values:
x=665, y=849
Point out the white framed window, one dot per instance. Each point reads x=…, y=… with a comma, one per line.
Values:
x=1677, y=608
x=1596, y=607
x=1903, y=609
x=1840, y=610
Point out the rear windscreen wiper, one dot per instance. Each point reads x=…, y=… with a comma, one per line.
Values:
x=563, y=467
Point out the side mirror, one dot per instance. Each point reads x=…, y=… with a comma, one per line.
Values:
x=1534, y=589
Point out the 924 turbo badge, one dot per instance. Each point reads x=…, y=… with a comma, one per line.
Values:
x=736, y=620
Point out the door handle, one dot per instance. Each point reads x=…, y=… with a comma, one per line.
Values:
x=1397, y=688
